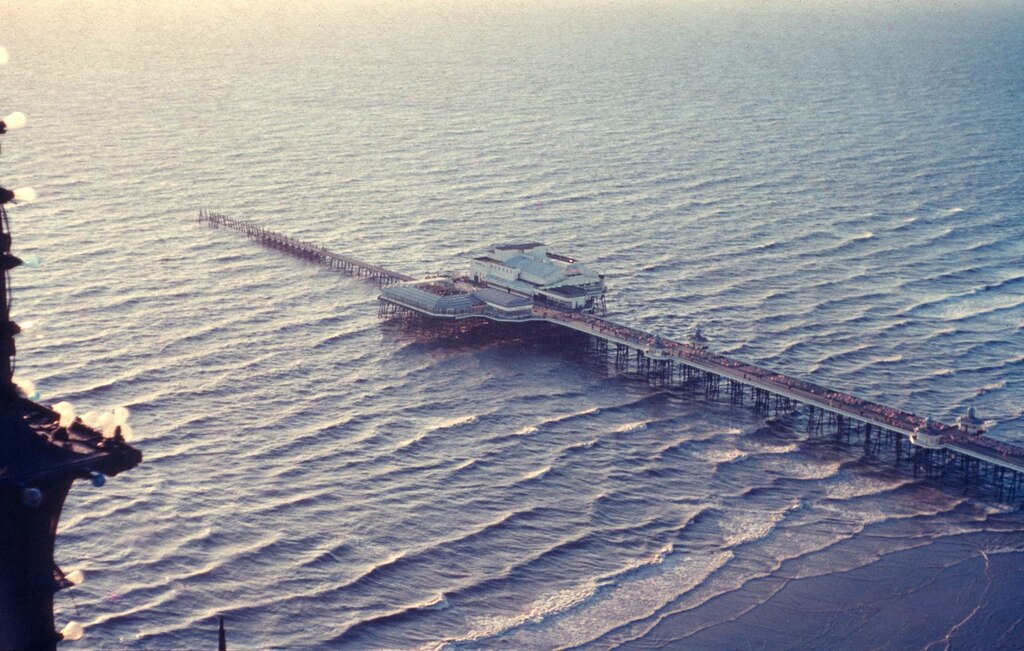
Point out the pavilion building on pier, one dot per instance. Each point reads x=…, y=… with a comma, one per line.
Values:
x=530, y=270
x=504, y=285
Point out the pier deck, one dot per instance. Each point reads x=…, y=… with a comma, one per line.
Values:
x=663, y=358
x=306, y=250
x=930, y=435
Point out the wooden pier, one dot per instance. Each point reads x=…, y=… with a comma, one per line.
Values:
x=938, y=450
x=935, y=448
x=306, y=250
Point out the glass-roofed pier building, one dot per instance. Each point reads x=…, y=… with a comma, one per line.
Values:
x=503, y=285
x=531, y=271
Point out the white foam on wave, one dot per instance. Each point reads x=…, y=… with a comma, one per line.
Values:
x=582, y=445
x=573, y=617
x=872, y=509
x=483, y=627
x=410, y=441
x=692, y=437
x=630, y=428
x=453, y=423
x=797, y=542
x=437, y=602
x=892, y=359
x=972, y=304
x=864, y=486
x=657, y=558
x=777, y=449
x=988, y=388
x=540, y=472
x=748, y=526
x=578, y=414
x=866, y=235
x=562, y=418
x=526, y=431
x=811, y=470
x=718, y=457
x=672, y=445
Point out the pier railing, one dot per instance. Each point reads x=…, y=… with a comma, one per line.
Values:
x=305, y=250
x=920, y=431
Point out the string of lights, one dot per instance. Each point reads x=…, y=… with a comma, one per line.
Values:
x=42, y=451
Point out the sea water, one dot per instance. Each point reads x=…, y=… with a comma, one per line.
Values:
x=832, y=190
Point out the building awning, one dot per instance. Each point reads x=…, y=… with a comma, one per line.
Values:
x=501, y=298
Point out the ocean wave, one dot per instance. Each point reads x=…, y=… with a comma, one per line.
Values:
x=798, y=543
x=891, y=359
x=568, y=417
x=454, y=423
x=979, y=301
x=485, y=627
x=407, y=557
x=536, y=474
x=700, y=436
x=807, y=470
x=742, y=527
x=989, y=388
x=631, y=428
x=777, y=449
x=860, y=485
x=720, y=457
x=585, y=613
x=409, y=442
x=841, y=355
x=669, y=447
x=579, y=447
x=465, y=465
x=431, y=603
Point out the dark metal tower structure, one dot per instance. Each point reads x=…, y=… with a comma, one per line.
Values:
x=42, y=452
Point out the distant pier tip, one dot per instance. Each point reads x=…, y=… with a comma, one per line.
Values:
x=222, y=639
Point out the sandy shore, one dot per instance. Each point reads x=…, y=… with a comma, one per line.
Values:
x=956, y=592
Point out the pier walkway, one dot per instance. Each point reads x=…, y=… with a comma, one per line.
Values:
x=920, y=431
x=936, y=446
x=306, y=250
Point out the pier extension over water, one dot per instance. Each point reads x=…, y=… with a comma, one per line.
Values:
x=306, y=250
x=456, y=304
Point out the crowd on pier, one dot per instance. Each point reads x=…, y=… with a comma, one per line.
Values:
x=685, y=352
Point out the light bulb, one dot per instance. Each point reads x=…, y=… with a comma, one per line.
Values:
x=66, y=411
x=72, y=631
x=15, y=120
x=120, y=415
x=104, y=424
x=76, y=577
x=25, y=195
x=25, y=386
